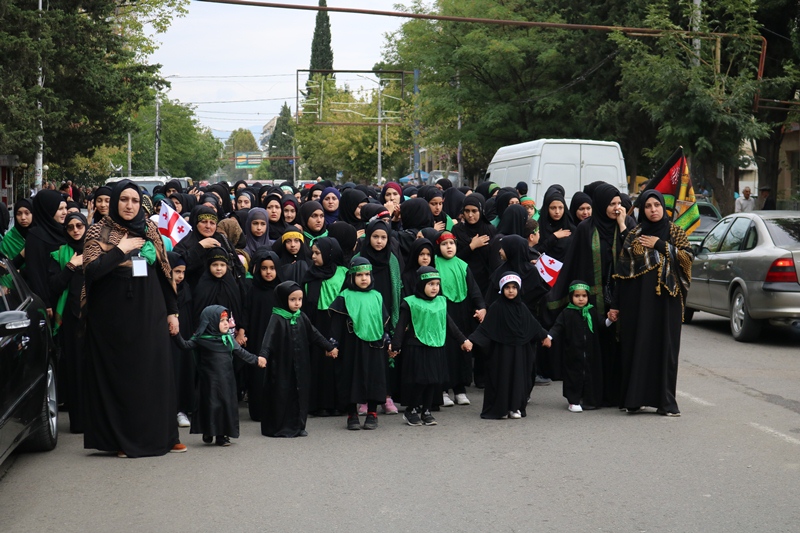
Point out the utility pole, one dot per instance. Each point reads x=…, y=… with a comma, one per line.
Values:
x=380, y=169
x=417, y=175
x=37, y=172
x=130, y=174
x=158, y=129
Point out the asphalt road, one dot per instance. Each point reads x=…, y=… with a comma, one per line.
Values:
x=730, y=463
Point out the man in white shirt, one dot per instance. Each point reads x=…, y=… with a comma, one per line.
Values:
x=745, y=204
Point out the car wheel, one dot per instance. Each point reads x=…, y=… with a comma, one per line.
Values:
x=744, y=328
x=45, y=436
x=688, y=315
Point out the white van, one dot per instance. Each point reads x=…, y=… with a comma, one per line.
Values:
x=571, y=163
x=148, y=182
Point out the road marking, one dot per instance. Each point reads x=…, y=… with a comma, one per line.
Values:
x=774, y=433
x=693, y=398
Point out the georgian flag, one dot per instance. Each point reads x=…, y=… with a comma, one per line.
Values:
x=172, y=225
x=549, y=268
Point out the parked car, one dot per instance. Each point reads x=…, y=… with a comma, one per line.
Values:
x=709, y=216
x=28, y=402
x=747, y=269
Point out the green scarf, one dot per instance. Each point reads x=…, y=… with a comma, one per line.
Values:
x=453, y=274
x=587, y=316
x=62, y=257
x=148, y=251
x=310, y=239
x=227, y=339
x=291, y=317
x=11, y=245
x=429, y=318
x=448, y=225
x=331, y=288
x=366, y=311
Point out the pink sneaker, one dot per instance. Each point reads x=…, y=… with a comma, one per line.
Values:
x=362, y=409
x=389, y=407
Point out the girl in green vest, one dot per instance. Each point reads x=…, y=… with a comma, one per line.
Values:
x=360, y=322
x=420, y=334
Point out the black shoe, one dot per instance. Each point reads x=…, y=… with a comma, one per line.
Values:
x=352, y=422
x=371, y=422
x=412, y=418
x=208, y=439
x=222, y=440
x=427, y=419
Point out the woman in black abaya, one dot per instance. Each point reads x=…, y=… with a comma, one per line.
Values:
x=555, y=226
x=130, y=388
x=595, y=244
x=653, y=272
x=472, y=239
x=49, y=212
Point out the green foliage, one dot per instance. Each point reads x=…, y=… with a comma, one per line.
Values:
x=353, y=150
x=187, y=148
x=701, y=103
x=321, y=51
x=281, y=145
x=240, y=140
x=135, y=18
x=92, y=84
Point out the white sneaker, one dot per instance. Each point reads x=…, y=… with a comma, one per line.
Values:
x=514, y=414
x=461, y=399
x=446, y=401
x=183, y=421
x=575, y=408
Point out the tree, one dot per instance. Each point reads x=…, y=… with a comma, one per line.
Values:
x=91, y=82
x=512, y=84
x=321, y=51
x=239, y=141
x=699, y=102
x=281, y=145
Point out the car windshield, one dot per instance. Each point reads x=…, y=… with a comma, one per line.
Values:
x=784, y=231
x=707, y=222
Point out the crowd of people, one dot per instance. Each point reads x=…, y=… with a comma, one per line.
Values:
x=348, y=301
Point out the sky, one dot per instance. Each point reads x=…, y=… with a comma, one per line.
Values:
x=227, y=53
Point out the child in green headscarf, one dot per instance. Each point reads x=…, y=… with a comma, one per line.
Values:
x=578, y=328
x=218, y=409
x=360, y=322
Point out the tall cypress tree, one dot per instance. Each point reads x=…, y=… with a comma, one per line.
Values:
x=321, y=52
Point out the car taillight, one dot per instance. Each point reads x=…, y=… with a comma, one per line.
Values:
x=782, y=271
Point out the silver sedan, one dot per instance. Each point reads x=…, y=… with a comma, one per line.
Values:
x=747, y=269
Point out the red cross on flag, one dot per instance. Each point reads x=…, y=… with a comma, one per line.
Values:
x=172, y=225
x=549, y=268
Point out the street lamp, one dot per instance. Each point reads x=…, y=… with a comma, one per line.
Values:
x=294, y=157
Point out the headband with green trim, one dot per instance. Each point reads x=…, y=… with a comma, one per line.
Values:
x=367, y=267
x=429, y=275
x=579, y=287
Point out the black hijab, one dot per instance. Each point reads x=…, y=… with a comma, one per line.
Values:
x=485, y=189
x=77, y=246
x=348, y=203
x=306, y=210
x=212, y=290
x=453, y=202
x=660, y=228
x=283, y=291
x=465, y=231
x=378, y=258
x=350, y=280
x=373, y=211
x=430, y=193
x=332, y=258
x=578, y=199
x=173, y=184
x=503, y=201
x=287, y=199
x=24, y=202
x=513, y=221
x=549, y=243
x=409, y=274
x=347, y=237
x=419, y=283
x=259, y=256
x=45, y=206
x=415, y=214
x=603, y=195
x=276, y=229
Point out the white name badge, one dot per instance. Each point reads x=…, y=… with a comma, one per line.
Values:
x=139, y=267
